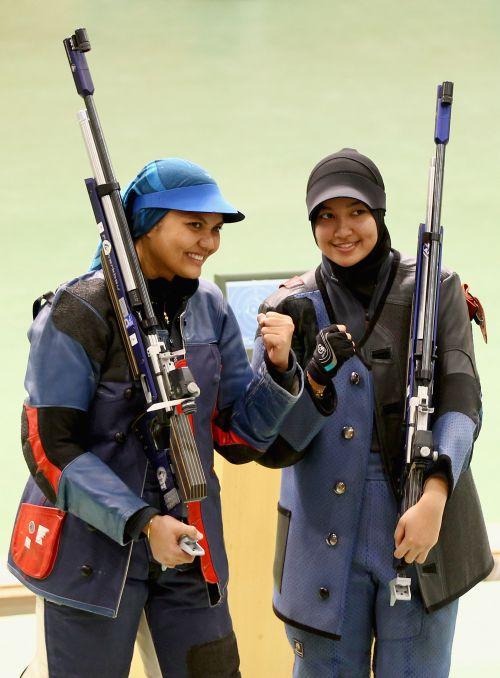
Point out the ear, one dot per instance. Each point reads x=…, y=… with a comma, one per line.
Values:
x=152, y=231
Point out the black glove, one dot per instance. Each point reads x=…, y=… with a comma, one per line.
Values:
x=333, y=348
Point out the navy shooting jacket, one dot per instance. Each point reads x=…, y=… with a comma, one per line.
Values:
x=326, y=453
x=79, y=388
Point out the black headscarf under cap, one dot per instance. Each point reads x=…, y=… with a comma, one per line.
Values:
x=349, y=174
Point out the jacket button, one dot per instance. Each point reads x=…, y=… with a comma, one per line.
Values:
x=340, y=487
x=332, y=539
x=128, y=393
x=324, y=593
x=120, y=437
x=86, y=570
x=355, y=378
x=348, y=432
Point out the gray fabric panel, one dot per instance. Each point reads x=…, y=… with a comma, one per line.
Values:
x=88, y=317
x=462, y=554
x=81, y=323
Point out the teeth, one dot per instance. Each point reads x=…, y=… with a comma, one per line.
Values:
x=197, y=257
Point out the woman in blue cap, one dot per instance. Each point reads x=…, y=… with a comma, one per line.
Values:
x=105, y=574
x=338, y=524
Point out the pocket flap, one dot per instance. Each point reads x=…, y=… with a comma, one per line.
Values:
x=35, y=540
x=281, y=540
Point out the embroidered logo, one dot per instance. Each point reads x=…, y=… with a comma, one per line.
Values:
x=161, y=474
x=40, y=534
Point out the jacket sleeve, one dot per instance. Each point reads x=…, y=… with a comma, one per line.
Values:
x=251, y=404
x=69, y=342
x=308, y=416
x=457, y=395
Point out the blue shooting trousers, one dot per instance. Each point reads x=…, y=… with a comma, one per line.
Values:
x=182, y=636
x=408, y=641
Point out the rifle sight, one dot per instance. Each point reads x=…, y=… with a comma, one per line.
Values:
x=80, y=40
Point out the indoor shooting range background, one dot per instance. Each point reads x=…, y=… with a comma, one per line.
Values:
x=256, y=91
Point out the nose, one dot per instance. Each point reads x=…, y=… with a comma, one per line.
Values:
x=342, y=227
x=207, y=241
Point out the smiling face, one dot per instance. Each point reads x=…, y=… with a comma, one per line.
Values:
x=179, y=244
x=345, y=230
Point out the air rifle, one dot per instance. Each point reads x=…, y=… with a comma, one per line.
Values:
x=419, y=446
x=169, y=388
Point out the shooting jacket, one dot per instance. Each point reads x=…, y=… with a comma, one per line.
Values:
x=79, y=387
x=328, y=452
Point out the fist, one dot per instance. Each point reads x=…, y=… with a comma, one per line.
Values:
x=334, y=345
x=277, y=331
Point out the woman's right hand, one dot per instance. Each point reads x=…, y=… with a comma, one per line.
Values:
x=164, y=535
x=334, y=345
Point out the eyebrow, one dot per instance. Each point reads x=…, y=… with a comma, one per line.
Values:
x=198, y=216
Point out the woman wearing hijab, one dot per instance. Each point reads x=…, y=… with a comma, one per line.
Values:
x=338, y=523
x=104, y=573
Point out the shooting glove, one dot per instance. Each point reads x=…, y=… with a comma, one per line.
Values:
x=333, y=348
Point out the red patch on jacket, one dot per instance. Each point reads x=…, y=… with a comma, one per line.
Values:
x=476, y=311
x=50, y=471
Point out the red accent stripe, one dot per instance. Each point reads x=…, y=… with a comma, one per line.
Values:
x=51, y=472
x=195, y=518
x=222, y=438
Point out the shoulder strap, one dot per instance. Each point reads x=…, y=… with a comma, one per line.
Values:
x=380, y=305
x=324, y=295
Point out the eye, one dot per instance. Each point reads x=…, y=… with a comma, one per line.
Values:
x=217, y=229
x=325, y=216
x=196, y=225
x=359, y=210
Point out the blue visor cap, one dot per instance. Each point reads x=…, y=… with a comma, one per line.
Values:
x=199, y=198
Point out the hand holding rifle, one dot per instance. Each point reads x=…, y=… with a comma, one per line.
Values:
x=418, y=528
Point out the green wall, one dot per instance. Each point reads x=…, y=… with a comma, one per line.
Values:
x=257, y=91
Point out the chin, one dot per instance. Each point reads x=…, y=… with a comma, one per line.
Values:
x=346, y=262
x=190, y=273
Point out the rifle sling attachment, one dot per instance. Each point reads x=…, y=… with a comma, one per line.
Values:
x=107, y=189
x=429, y=235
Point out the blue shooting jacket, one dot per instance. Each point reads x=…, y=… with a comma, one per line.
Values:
x=77, y=365
x=326, y=454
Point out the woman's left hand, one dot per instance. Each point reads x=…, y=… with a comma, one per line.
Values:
x=418, y=529
x=277, y=331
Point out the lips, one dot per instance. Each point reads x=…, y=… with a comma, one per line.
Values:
x=199, y=258
x=346, y=246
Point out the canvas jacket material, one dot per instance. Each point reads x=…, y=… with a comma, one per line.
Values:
x=370, y=390
x=78, y=377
